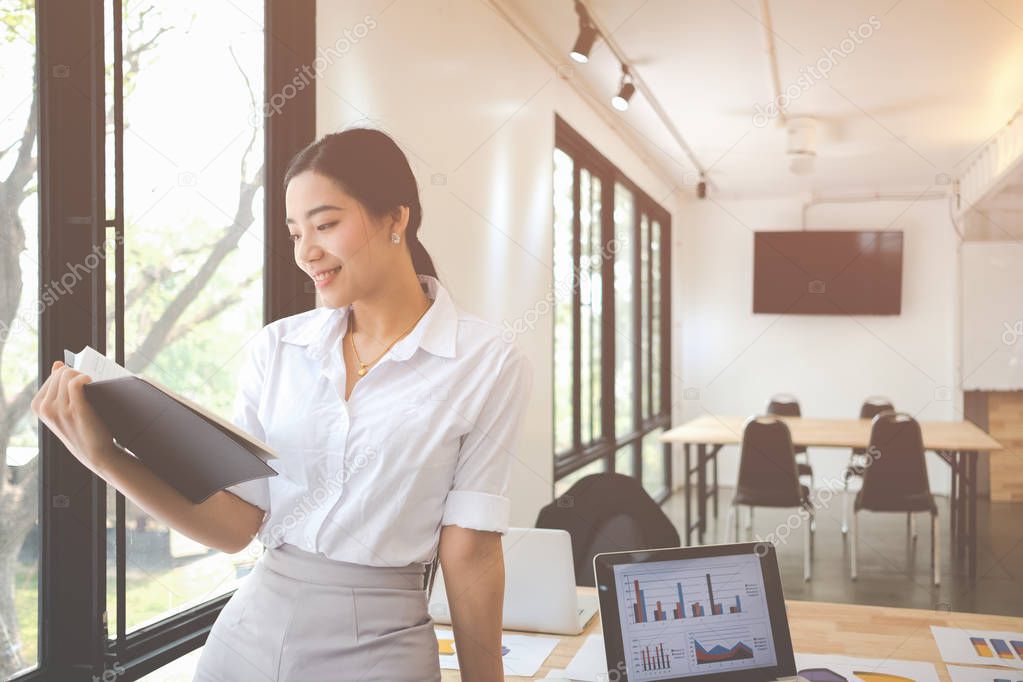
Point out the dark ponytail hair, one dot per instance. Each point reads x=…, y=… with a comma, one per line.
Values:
x=369, y=166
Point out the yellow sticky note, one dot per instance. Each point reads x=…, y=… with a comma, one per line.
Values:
x=446, y=646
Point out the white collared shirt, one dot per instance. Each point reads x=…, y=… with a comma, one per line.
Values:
x=426, y=439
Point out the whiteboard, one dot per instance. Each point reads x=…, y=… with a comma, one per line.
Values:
x=992, y=334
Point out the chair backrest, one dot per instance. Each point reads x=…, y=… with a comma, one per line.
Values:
x=607, y=513
x=874, y=406
x=896, y=468
x=784, y=405
x=870, y=408
x=767, y=464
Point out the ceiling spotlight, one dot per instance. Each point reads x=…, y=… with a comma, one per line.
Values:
x=587, y=36
x=626, y=90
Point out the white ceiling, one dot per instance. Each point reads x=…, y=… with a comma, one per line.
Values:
x=906, y=106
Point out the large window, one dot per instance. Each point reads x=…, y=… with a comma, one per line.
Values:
x=19, y=342
x=611, y=322
x=135, y=147
x=189, y=185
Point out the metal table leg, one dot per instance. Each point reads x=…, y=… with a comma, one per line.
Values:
x=714, y=457
x=953, y=506
x=971, y=493
x=689, y=497
x=701, y=490
x=962, y=529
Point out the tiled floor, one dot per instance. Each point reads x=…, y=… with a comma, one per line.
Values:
x=892, y=572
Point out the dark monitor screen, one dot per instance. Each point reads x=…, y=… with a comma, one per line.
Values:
x=828, y=273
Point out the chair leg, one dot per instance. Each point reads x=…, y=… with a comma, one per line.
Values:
x=749, y=525
x=911, y=526
x=730, y=525
x=845, y=507
x=935, y=549
x=808, y=549
x=855, y=541
x=813, y=519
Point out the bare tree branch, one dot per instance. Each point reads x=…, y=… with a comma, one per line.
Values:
x=212, y=310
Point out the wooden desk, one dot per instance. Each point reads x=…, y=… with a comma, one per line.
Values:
x=842, y=629
x=956, y=442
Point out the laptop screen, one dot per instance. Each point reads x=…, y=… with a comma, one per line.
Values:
x=698, y=616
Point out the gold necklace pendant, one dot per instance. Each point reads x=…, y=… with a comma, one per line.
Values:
x=351, y=329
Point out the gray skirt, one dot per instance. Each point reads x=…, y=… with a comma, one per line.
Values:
x=301, y=616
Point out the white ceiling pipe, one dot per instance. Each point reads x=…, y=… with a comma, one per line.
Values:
x=772, y=59
x=874, y=196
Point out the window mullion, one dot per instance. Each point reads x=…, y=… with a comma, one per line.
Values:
x=72, y=227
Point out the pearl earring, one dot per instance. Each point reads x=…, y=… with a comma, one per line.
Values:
x=395, y=239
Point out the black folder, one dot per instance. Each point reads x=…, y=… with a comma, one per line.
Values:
x=183, y=446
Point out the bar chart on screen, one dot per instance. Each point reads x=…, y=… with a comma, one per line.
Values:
x=694, y=616
x=667, y=595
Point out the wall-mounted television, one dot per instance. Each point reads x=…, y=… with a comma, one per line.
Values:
x=828, y=272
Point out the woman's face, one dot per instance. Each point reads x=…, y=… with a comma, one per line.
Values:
x=334, y=234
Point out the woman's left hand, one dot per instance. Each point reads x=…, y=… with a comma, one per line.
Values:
x=61, y=404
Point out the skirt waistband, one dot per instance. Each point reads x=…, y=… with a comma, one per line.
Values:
x=298, y=564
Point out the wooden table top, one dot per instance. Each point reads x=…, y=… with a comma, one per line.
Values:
x=825, y=628
x=843, y=433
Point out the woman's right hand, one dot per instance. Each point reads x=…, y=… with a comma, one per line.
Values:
x=62, y=406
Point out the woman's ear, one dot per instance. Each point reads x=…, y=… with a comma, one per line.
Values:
x=399, y=216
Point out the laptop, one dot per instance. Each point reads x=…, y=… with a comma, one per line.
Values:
x=694, y=614
x=539, y=585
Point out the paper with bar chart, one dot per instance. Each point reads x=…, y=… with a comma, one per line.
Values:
x=829, y=668
x=693, y=617
x=979, y=647
x=961, y=673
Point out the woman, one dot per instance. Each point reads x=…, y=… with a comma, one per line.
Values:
x=394, y=414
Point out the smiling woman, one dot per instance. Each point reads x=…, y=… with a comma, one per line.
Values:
x=396, y=415
x=369, y=177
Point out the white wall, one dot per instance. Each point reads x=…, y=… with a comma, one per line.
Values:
x=736, y=360
x=473, y=106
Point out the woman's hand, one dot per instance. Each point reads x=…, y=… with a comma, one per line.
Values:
x=61, y=405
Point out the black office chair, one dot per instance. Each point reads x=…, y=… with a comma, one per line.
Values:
x=607, y=513
x=768, y=477
x=870, y=408
x=786, y=405
x=895, y=479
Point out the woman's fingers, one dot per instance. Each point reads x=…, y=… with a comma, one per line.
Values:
x=49, y=394
x=49, y=400
x=76, y=390
x=37, y=399
x=66, y=374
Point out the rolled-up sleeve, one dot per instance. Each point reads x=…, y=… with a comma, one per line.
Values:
x=244, y=415
x=478, y=496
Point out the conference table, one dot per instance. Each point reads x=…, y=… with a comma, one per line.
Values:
x=879, y=632
x=957, y=443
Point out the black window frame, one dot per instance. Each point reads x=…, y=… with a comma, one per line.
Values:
x=585, y=155
x=70, y=38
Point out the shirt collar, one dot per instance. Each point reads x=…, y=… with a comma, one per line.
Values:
x=435, y=332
